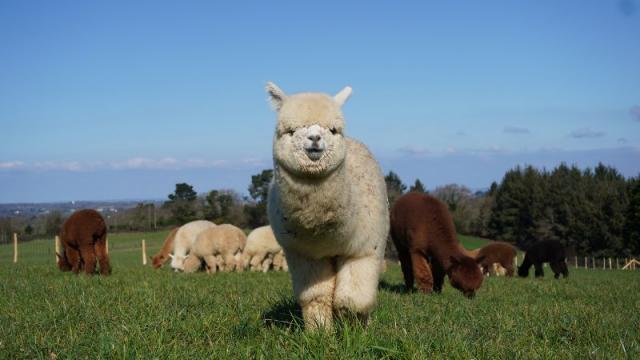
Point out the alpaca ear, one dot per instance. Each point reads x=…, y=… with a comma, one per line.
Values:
x=343, y=95
x=276, y=96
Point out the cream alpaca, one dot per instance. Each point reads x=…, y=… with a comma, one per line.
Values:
x=261, y=247
x=185, y=237
x=218, y=247
x=327, y=206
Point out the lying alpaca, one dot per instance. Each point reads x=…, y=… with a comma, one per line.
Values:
x=185, y=237
x=83, y=237
x=167, y=248
x=422, y=229
x=327, y=206
x=550, y=251
x=218, y=247
x=261, y=247
x=497, y=252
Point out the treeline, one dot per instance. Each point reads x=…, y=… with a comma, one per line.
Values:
x=592, y=211
x=181, y=206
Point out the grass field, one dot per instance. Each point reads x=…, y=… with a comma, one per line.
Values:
x=141, y=313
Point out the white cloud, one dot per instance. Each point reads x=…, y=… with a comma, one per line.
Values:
x=136, y=163
x=515, y=130
x=635, y=113
x=586, y=133
x=11, y=164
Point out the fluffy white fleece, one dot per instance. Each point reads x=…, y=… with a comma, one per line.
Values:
x=261, y=247
x=218, y=247
x=327, y=206
x=185, y=237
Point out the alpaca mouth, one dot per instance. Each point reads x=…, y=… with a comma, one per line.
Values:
x=314, y=153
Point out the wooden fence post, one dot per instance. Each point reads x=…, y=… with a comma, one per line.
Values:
x=106, y=245
x=593, y=262
x=586, y=266
x=617, y=265
x=576, y=260
x=144, y=252
x=604, y=263
x=610, y=268
x=57, y=247
x=15, y=248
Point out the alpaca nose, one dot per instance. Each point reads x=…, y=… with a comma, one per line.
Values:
x=314, y=137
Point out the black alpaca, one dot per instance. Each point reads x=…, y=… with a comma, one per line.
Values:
x=550, y=251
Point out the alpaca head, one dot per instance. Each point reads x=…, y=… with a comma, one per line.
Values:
x=177, y=262
x=309, y=139
x=465, y=274
x=523, y=271
x=158, y=260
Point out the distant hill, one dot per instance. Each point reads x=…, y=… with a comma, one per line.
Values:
x=36, y=209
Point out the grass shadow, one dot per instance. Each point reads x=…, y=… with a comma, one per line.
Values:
x=285, y=314
x=396, y=288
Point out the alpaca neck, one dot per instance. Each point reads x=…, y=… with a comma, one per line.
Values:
x=314, y=206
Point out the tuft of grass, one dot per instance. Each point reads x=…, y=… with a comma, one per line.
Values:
x=141, y=313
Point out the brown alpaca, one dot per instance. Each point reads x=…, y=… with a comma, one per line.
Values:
x=167, y=248
x=84, y=237
x=497, y=252
x=422, y=229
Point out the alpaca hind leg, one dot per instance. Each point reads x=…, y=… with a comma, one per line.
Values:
x=88, y=255
x=422, y=272
x=266, y=263
x=313, y=285
x=508, y=266
x=407, y=269
x=356, y=286
x=73, y=257
x=438, y=275
x=539, y=271
x=100, y=248
x=211, y=264
x=564, y=269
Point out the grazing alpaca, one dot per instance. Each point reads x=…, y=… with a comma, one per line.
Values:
x=497, y=252
x=84, y=237
x=218, y=247
x=185, y=237
x=167, y=248
x=422, y=229
x=327, y=207
x=550, y=251
x=260, y=250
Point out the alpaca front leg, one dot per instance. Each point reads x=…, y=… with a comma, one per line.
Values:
x=313, y=285
x=356, y=286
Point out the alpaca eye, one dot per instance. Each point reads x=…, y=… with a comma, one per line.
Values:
x=334, y=131
x=290, y=132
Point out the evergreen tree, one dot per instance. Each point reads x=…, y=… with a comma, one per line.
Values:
x=395, y=187
x=256, y=212
x=418, y=187
x=182, y=203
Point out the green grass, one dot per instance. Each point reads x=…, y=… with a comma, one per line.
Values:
x=141, y=313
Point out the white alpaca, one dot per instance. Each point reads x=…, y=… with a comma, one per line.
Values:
x=218, y=247
x=260, y=249
x=327, y=206
x=185, y=237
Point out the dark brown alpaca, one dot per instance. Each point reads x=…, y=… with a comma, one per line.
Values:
x=422, y=230
x=497, y=252
x=84, y=237
x=167, y=248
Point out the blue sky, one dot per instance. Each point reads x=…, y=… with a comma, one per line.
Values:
x=122, y=99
